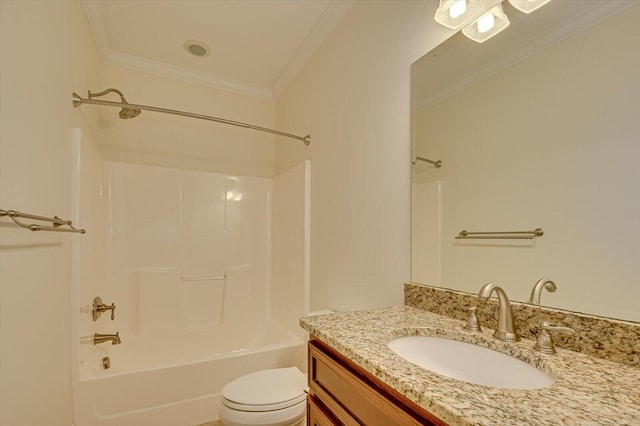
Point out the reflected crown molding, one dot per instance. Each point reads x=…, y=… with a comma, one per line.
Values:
x=441, y=88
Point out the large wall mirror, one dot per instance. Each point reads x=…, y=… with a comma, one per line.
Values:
x=538, y=127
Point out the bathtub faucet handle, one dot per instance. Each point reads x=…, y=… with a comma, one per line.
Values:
x=99, y=308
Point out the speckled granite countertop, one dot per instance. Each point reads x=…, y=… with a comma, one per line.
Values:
x=587, y=390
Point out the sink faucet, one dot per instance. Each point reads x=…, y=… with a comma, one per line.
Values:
x=506, y=329
x=101, y=338
x=536, y=291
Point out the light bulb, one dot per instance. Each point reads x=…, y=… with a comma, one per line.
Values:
x=486, y=23
x=458, y=9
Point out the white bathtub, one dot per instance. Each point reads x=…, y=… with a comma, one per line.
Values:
x=175, y=379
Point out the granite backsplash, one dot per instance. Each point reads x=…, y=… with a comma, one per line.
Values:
x=607, y=338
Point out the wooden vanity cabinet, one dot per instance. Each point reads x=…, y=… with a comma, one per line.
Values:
x=341, y=393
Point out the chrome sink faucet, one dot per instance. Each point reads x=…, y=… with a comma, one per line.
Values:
x=506, y=329
x=536, y=291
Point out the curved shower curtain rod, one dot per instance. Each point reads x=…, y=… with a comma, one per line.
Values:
x=132, y=110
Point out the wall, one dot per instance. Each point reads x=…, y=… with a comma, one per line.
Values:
x=169, y=224
x=38, y=72
x=183, y=142
x=551, y=142
x=290, y=247
x=353, y=97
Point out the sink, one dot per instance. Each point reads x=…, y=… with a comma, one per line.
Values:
x=469, y=362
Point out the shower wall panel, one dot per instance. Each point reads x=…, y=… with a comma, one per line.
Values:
x=192, y=229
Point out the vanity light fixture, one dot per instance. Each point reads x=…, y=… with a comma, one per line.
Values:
x=455, y=14
x=488, y=25
x=528, y=6
x=480, y=19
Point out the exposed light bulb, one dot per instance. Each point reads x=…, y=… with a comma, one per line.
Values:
x=458, y=9
x=486, y=23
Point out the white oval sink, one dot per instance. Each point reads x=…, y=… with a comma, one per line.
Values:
x=469, y=363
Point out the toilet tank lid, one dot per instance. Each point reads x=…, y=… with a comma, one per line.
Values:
x=266, y=387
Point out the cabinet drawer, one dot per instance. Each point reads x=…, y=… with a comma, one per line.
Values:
x=351, y=396
x=318, y=415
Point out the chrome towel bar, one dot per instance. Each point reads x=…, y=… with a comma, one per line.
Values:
x=509, y=235
x=57, y=222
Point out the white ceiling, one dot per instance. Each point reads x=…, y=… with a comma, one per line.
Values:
x=257, y=46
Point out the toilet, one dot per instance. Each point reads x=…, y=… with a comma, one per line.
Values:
x=274, y=397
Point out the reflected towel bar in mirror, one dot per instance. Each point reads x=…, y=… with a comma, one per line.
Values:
x=510, y=235
x=436, y=163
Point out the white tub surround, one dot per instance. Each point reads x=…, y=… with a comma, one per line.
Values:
x=188, y=259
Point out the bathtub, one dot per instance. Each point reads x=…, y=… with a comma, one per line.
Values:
x=175, y=379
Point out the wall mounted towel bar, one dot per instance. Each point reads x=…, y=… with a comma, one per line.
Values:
x=509, y=235
x=57, y=222
x=436, y=163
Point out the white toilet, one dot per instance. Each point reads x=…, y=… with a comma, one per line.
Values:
x=273, y=397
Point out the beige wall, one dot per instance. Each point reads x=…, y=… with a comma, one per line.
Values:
x=47, y=52
x=353, y=97
x=182, y=142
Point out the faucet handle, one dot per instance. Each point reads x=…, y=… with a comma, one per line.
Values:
x=473, y=324
x=544, y=343
x=98, y=308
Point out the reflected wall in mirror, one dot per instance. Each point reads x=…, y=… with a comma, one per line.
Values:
x=532, y=137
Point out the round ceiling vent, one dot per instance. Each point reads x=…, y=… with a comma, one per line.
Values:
x=196, y=48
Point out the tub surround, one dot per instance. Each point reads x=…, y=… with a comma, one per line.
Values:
x=587, y=390
x=610, y=339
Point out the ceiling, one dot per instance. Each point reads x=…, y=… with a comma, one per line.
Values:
x=257, y=47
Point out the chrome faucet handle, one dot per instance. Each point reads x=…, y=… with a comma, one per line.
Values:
x=544, y=343
x=99, y=307
x=536, y=291
x=473, y=324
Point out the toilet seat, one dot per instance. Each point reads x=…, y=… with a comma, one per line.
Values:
x=264, y=407
x=266, y=390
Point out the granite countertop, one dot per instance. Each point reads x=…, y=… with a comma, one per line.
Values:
x=586, y=391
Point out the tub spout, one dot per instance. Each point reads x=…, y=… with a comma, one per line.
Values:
x=101, y=338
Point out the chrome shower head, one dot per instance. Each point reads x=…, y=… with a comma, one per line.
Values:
x=125, y=113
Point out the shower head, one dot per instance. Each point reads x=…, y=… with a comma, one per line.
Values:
x=125, y=113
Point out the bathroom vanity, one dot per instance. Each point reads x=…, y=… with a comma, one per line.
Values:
x=355, y=378
x=340, y=392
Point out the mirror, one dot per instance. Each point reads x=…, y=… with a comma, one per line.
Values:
x=538, y=127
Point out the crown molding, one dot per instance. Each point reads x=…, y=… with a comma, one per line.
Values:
x=330, y=18
x=99, y=33
x=598, y=13
x=136, y=63
x=327, y=22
